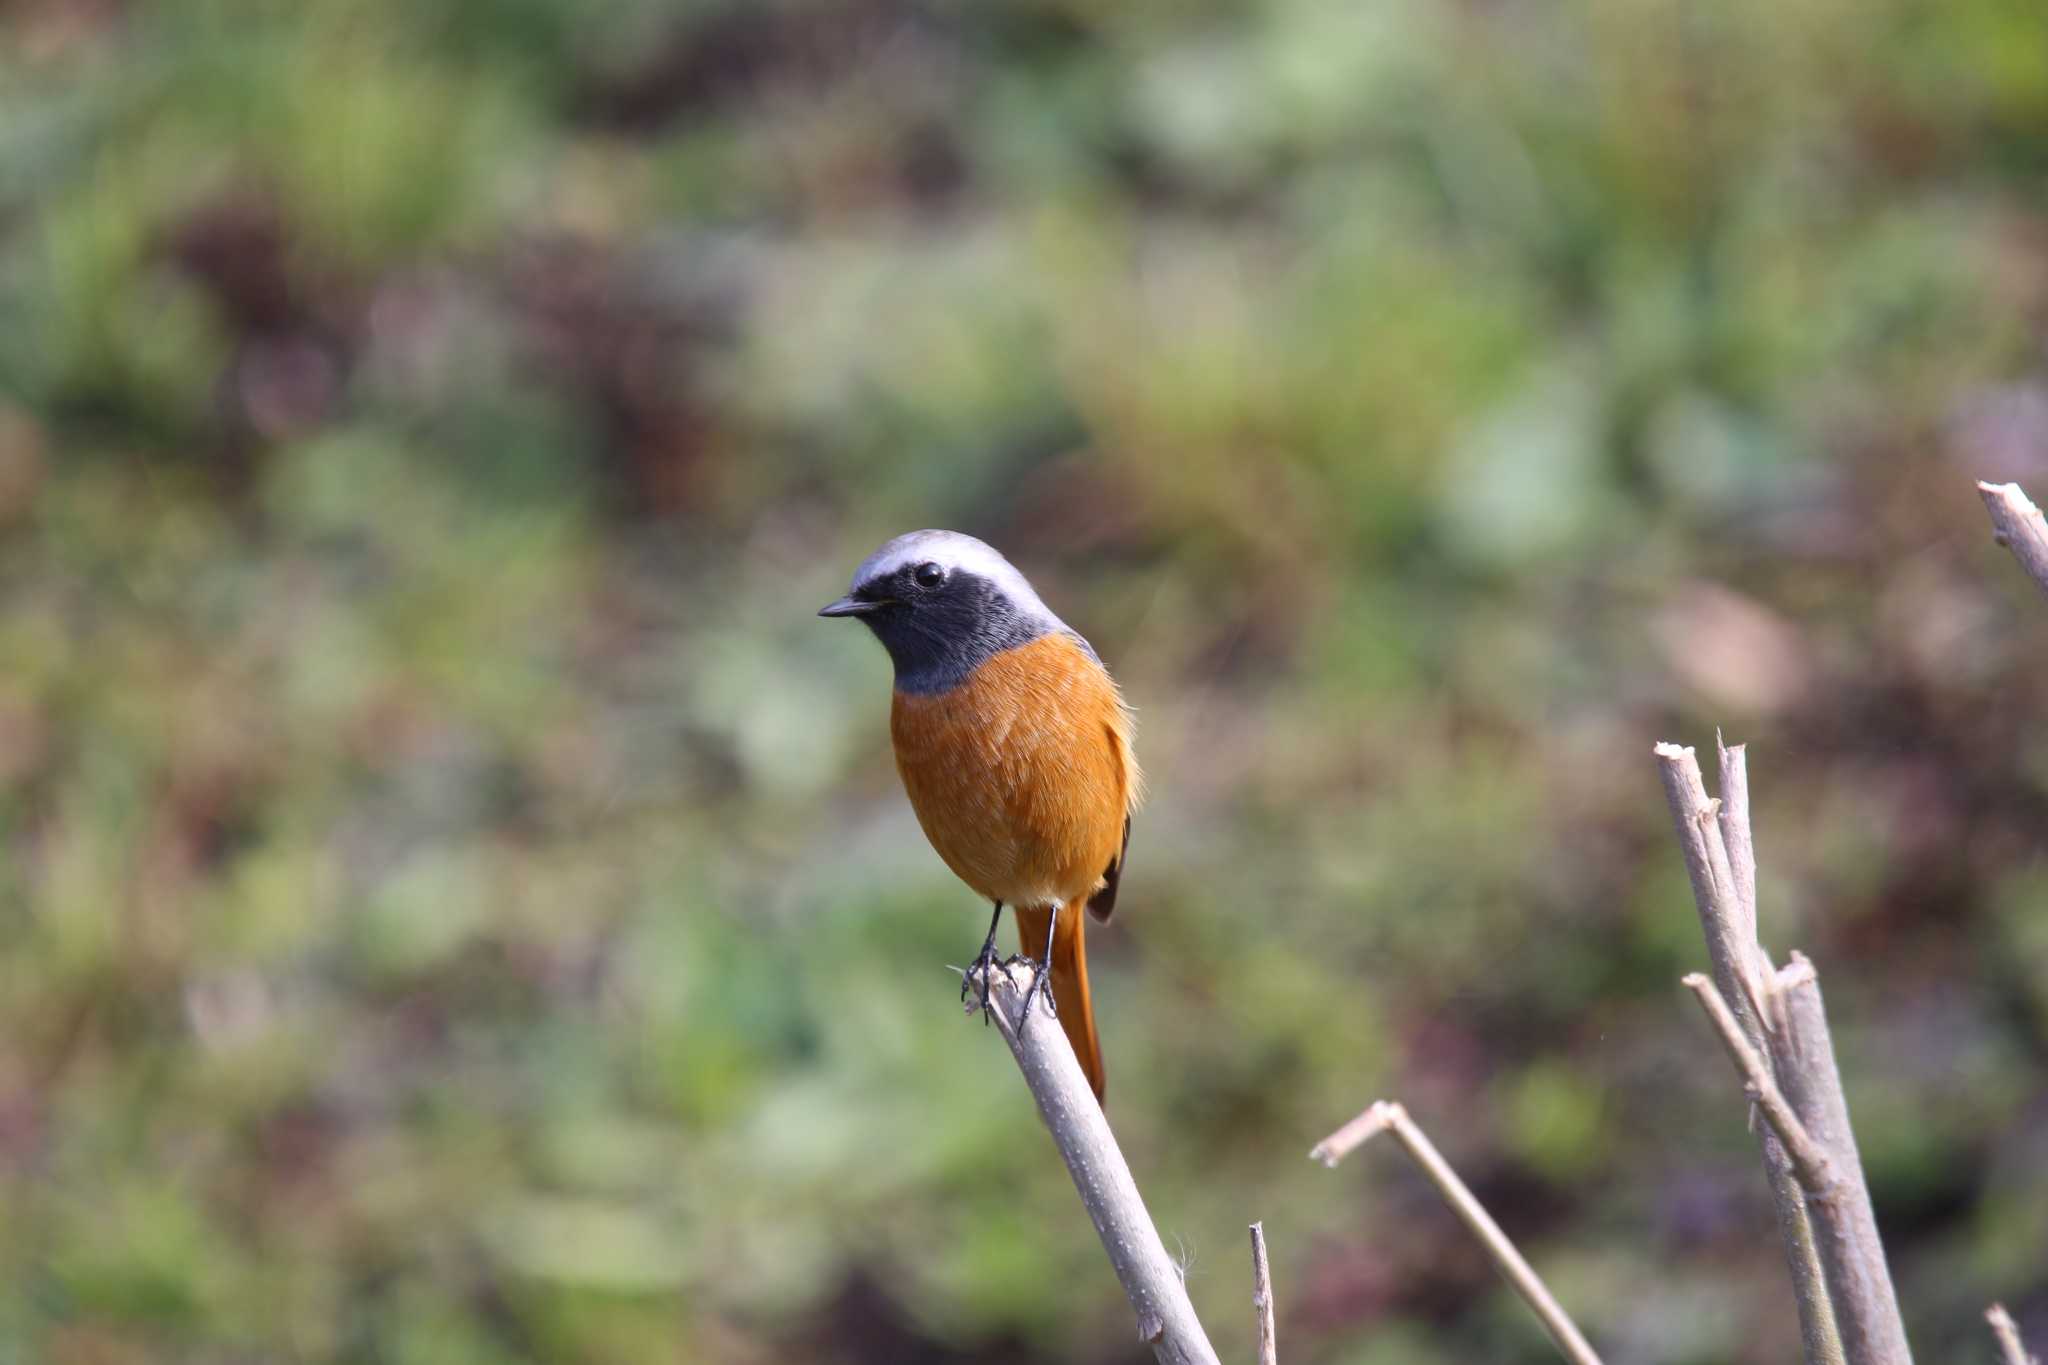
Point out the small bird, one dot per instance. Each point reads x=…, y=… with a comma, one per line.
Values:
x=1014, y=746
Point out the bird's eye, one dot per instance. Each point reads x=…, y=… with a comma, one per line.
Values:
x=929, y=575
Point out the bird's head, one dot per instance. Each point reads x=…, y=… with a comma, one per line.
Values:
x=941, y=603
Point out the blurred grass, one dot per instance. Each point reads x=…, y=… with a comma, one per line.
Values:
x=457, y=905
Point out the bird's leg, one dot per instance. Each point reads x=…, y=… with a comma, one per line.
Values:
x=984, y=962
x=1044, y=974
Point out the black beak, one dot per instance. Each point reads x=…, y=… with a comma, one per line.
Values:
x=851, y=606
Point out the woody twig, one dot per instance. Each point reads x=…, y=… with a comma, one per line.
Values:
x=2011, y=1349
x=1385, y=1116
x=1166, y=1318
x=1262, y=1297
x=1726, y=900
x=1775, y=1030
x=2018, y=525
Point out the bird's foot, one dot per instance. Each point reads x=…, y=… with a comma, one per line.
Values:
x=984, y=962
x=1041, y=974
x=976, y=979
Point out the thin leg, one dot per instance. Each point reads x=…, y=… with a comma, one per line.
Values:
x=1052, y=928
x=983, y=962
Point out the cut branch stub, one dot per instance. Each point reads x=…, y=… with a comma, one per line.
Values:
x=1715, y=836
x=2018, y=525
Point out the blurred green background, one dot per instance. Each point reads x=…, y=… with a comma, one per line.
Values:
x=457, y=905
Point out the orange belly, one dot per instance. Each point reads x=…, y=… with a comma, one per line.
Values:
x=1022, y=775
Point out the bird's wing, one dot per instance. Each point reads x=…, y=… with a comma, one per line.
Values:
x=1103, y=903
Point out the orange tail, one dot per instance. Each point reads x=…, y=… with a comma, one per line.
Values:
x=1069, y=980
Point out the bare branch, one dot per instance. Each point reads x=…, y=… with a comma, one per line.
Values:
x=1823, y=1157
x=1818, y=1333
x=1262, y=1297
x=1859, y=1282
x=2018, y=525
x=1377, y=1118
x=1733, y=818
x=1710, y=834
x=1166, y=1319
x=1730, y=928
x=1384, y=1115
x=1809, y=1159
x=2011, y=1350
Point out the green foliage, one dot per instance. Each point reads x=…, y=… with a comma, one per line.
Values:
x=455, y=902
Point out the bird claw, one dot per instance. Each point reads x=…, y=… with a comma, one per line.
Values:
x=978, y=973
x=983, y=963
x=1041, y=973
x=986, y=962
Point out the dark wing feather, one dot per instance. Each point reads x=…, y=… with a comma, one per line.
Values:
x=1103, y=903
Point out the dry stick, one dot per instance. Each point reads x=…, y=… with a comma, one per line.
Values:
x=1386, y=1115
x=1726, y=901
x=1262, y=1297
x=1819, y=1332
x=2011, y=1349
x=1809, y=1159
x=1845, y=1234
x=1733, y=817
x=2017, y=524
x=1166, y=1319
x=1730, y=931
x=1859, y=1282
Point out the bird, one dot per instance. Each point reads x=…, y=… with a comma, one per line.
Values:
x=1015, y=748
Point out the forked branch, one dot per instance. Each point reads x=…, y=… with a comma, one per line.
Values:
x=1810, y=1163
x=1384, y=1116
x=1720, y=858
x=1775, y=1030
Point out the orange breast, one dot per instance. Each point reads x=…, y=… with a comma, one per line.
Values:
x=1022, y=774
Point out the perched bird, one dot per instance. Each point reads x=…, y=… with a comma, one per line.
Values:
x=1014, y=745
